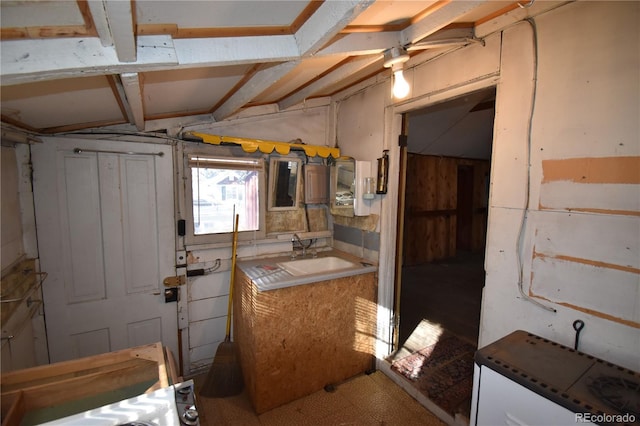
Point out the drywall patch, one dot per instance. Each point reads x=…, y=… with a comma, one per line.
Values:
x=606, y=185
x=606, y=170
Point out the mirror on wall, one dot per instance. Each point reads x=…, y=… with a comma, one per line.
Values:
x=284, y=183
x=343, y=186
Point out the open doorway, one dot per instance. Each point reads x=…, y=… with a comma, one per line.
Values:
x=447, y=169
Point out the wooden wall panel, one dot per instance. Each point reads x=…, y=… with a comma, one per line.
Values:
x=431, y=203
x=294, y=341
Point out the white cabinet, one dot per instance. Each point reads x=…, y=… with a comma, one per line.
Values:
x=502, y=401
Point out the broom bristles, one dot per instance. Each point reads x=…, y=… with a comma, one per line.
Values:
x=225, y=375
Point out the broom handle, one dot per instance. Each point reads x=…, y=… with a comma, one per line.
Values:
x=234, y=248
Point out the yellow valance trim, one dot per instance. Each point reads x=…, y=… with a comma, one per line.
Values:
x=267, y=147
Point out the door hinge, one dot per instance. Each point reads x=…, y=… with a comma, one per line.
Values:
x=175, y=281
x=394, y=321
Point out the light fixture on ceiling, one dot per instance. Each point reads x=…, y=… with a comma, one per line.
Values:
x=395, y=58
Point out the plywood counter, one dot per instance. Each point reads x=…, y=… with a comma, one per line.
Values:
x=296, y=340
x=48, y=392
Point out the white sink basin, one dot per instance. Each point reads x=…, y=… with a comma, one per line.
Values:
x=316, y=265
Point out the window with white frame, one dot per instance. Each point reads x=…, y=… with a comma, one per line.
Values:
x=222, y=187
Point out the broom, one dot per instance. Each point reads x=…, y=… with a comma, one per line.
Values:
x=225, y=375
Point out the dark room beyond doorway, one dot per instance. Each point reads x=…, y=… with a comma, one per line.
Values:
x=443, y=242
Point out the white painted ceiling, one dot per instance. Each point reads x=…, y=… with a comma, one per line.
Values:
x=150, y=65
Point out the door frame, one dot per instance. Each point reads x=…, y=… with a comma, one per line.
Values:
x=166, y=224
x=388, y=281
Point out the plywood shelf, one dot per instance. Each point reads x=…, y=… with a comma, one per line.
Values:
x=48, y=386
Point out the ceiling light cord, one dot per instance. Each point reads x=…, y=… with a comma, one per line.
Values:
x=520, y=241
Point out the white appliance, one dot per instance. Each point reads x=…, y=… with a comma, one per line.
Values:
x=524, y=379
x=171, y=406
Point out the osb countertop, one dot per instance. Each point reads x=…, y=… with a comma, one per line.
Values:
x=268, y=274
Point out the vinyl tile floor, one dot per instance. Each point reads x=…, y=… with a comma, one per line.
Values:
x=363, y=400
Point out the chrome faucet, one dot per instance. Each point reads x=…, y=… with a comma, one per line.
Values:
x=296, y=240
x=298, y=243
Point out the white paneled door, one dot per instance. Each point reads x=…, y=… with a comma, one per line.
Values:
x=106, y=239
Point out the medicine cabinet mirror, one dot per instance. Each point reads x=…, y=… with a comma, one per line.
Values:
x=284, y=183
x=343, y=186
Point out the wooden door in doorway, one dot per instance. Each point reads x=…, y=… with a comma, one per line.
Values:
x=106, y=239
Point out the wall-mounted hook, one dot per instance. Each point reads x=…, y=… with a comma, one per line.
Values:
x=578, y=325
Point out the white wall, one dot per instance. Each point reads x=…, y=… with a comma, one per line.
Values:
x=308, y=122
x=19, y=241
x=18, y=220
x=362, y=136
x=580, y=241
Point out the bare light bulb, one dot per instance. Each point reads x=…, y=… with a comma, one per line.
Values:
x=400, y=85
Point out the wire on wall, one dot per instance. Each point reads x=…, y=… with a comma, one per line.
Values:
x=204, y=271
x=520, y=241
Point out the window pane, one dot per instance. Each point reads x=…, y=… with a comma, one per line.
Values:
x=219, y=194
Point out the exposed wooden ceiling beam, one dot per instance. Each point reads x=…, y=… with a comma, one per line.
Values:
x=26, y=61
x=325, y=23
x=99, y=15
x=361, y=44
x=119, y=52
x=120, y=19
x=330, y=79
x=206, y=52
x=46, y=59
x=437, y=20
x=133, y=90
x=330, y=18
x=247, y=76
x=118, y=92
x=261, y=80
